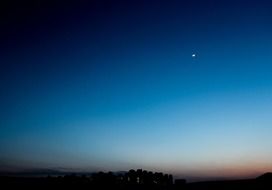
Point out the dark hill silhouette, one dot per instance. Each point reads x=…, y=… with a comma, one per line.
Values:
x=131, y=180
x=266, y=176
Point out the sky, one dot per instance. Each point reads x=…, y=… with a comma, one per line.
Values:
x=114, y=85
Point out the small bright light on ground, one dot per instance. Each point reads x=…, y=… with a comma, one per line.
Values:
x=193, y=55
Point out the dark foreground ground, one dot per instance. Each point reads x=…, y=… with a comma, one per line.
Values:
x=262, y=182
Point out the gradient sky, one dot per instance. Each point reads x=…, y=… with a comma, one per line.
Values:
x=112, y=85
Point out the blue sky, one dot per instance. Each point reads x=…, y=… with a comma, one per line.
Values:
x=113, y=86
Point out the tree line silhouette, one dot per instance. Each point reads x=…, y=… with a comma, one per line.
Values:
x=131, y=180
x=133, y=177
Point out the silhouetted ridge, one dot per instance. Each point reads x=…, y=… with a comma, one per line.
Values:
x=131, y=180
x=267, y=176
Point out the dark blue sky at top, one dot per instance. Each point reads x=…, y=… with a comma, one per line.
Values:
x=102, y=65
